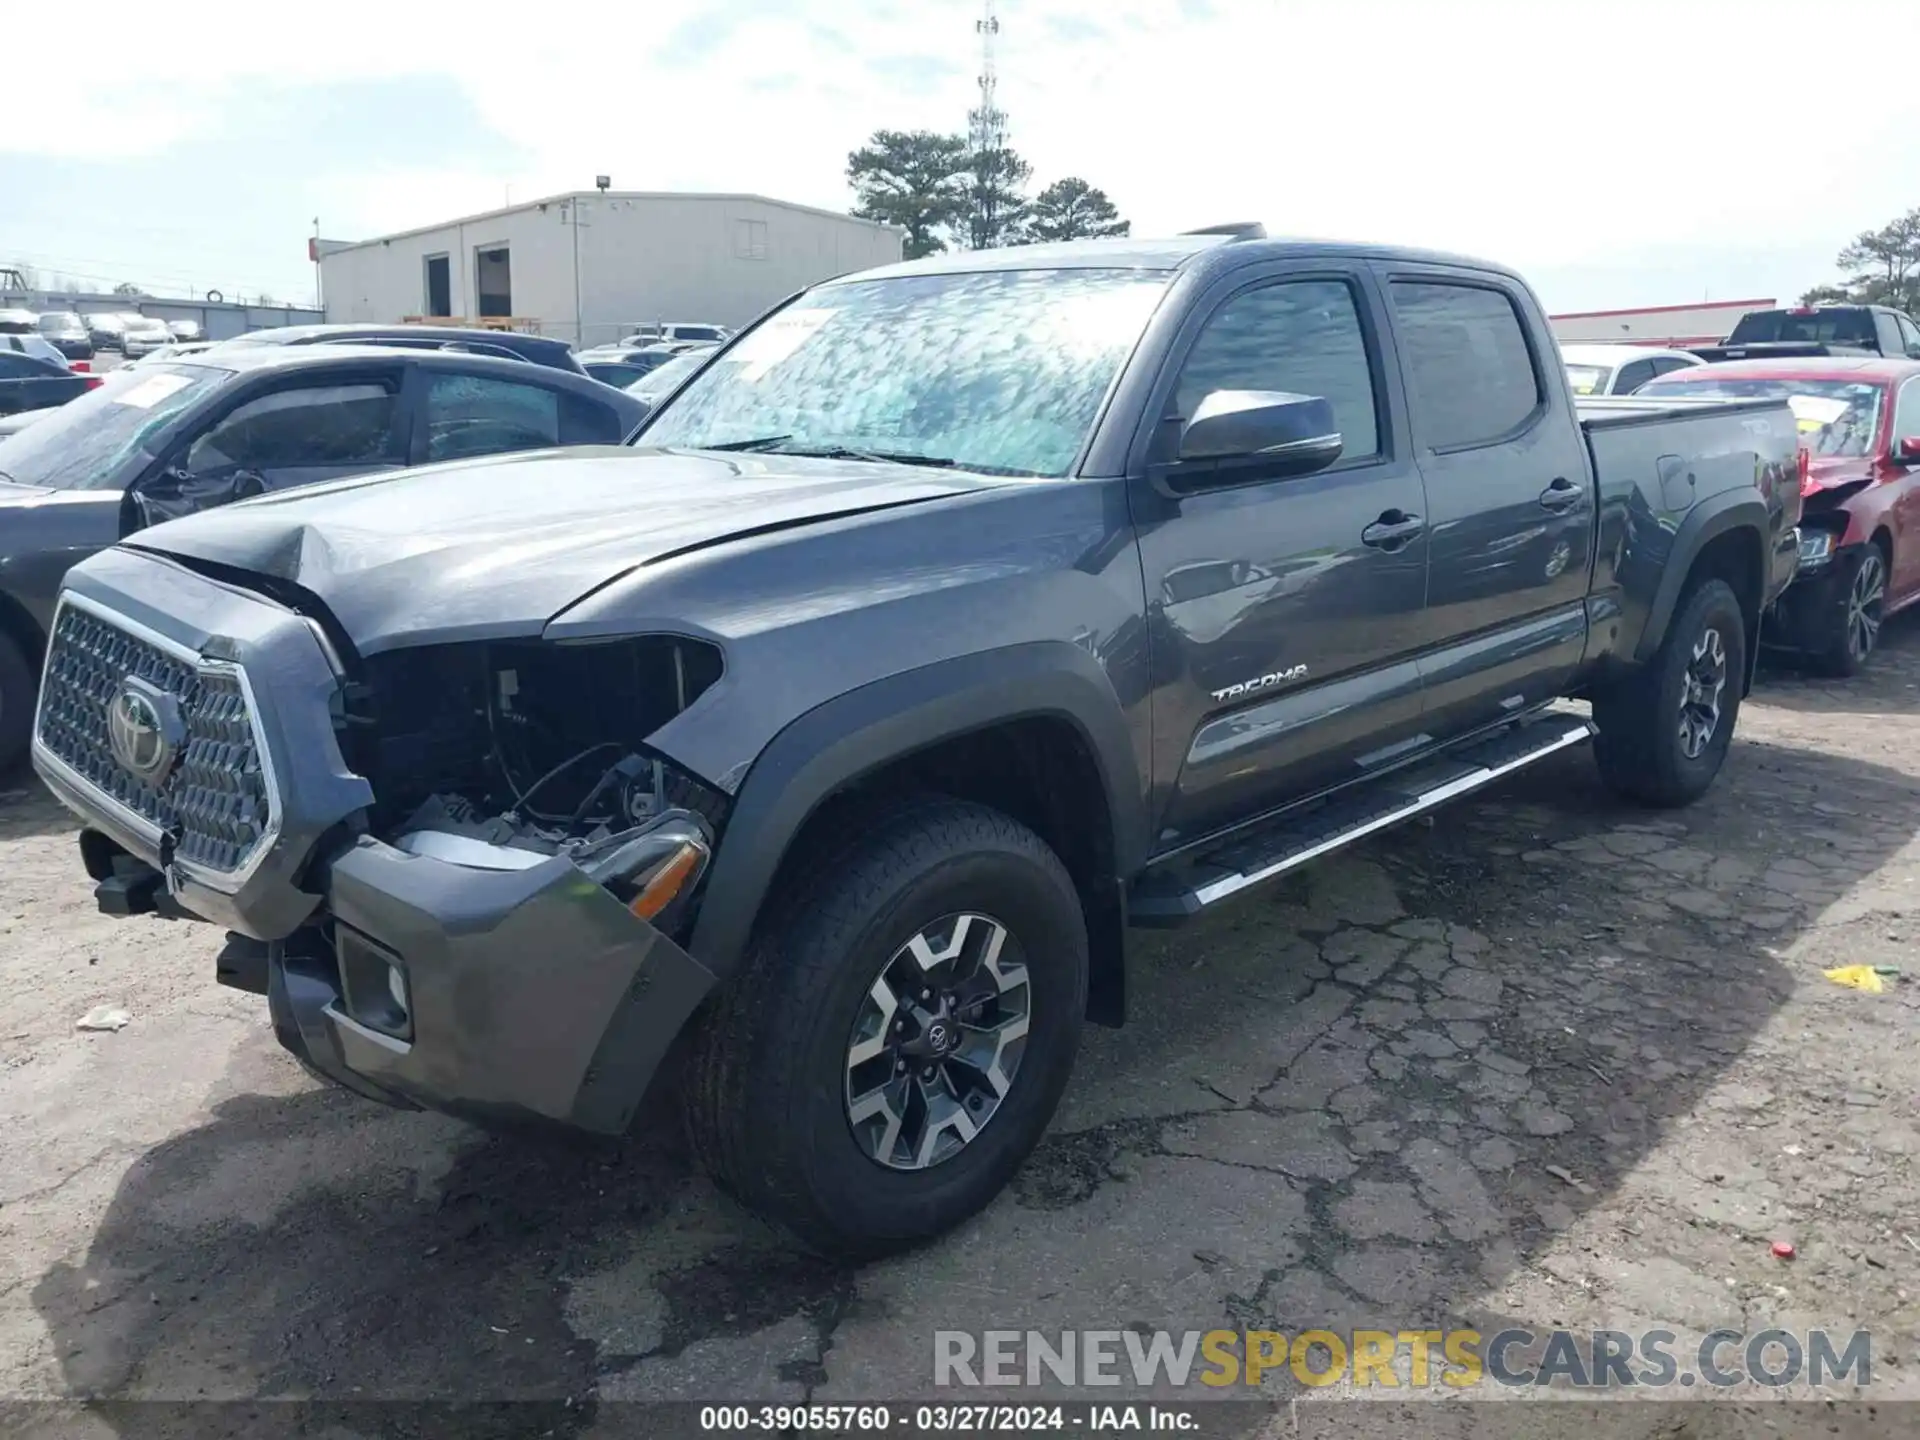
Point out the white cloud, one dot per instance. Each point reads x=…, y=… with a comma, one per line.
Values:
x=1556, y=135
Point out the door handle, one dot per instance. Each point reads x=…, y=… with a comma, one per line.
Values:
x=1562, y=494
x=1392, y=530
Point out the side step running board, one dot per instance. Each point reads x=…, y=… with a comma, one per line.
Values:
x=1294, y=839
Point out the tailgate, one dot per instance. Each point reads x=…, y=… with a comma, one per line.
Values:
x=1776, y=350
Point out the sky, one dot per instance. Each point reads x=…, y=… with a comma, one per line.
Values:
x=1620, y=154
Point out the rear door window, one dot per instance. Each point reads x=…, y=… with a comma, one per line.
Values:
x=1632, y=376
x=470, y=415
x=1469, y=368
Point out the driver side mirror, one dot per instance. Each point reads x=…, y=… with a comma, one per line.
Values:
x=1238, y=437
x=1908, y=450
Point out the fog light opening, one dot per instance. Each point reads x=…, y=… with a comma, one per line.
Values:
x=373, y=985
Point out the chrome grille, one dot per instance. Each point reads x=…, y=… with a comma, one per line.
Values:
x=214, y=800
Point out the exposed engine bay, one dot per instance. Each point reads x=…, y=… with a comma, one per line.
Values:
x=501, y=756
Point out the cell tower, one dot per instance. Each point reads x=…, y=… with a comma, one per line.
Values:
x=987, y=139
x=987, y=125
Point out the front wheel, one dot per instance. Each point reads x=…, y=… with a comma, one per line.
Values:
x=1664, y=733
x=1852, y=621
x=900, y=1032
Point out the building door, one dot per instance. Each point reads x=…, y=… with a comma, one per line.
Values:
x=493, y=282
x=439, y=286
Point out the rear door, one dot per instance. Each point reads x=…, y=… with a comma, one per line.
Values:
x=1284, y=614
x=1510, y=510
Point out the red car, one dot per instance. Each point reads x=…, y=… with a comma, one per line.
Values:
x=1860, y=527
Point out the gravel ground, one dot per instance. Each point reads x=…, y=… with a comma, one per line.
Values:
x=1548, y=1060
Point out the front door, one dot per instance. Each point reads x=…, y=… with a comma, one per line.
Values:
x=1284, y=615
x=1905, y=579
x=1511, y=509
x=279, y=437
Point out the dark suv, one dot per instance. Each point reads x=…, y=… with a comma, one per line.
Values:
x=503, y=344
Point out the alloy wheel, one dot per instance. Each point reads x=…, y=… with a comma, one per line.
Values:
x=1865, y=602
x=938, y=1042
x=1706, y=680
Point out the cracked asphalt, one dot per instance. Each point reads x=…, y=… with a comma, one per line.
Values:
x=1547, y=1060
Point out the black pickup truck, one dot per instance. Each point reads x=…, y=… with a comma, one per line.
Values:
x=952, y=618
x=1806, y=330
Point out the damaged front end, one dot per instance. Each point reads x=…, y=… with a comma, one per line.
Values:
x=459, y=873
x=498, y=756
x=500, y=941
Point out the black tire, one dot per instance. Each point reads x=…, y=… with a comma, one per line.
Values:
x=770, y=1079
x=1642, y=749
x=17, y=689
x=1851, y=626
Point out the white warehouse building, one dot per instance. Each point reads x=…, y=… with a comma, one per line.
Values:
x=590, y=266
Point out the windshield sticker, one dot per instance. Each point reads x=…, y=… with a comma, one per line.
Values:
x=776, y=340
x=151, y=391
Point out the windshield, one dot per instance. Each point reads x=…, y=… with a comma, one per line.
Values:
x=1588, y=379
x=665, y=377
x=59, y=320
x=1001, y=372
x=1836, y=417
x=1819, y=327
x=81, y=445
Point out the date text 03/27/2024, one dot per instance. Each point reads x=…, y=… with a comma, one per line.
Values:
x=949, y=1419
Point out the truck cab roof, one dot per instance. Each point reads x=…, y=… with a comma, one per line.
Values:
x=1176, y=252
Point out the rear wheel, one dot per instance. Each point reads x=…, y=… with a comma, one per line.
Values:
x=1664, y=733
x=900, y=1032
x=1851, y=625
x=16, y=704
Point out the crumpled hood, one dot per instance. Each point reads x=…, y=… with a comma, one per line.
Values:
x=1834, y=472
x=500, y=546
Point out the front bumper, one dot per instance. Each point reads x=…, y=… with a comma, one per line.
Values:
x=534, y=996
x=531, y=994
x=1808, y=614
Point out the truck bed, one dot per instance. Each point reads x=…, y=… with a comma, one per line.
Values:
x=1685, y=450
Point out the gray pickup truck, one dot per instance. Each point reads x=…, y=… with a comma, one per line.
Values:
x=955, y=616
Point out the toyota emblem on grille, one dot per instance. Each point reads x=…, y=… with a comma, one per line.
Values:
x=144, y=730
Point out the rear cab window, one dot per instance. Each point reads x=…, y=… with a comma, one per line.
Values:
x=1471, y=374
x=1840, y=325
